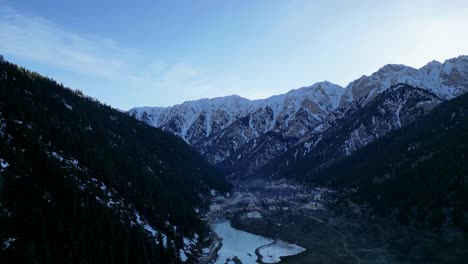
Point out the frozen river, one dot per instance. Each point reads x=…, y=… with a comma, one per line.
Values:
x=240, y=244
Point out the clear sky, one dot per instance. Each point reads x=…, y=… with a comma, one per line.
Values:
x=160, y=53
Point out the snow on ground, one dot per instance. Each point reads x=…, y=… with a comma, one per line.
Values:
x=183, y=257
x=3, y=164
x=111, y=199
x=71, y=162
x=2, y=125
x=138, y=218
x=8, y=242
x=205, y=251
x=187, y=242
x=56, y=155
x=69, y=107
x=150, y=229
x=154, y=233
x=272, y=254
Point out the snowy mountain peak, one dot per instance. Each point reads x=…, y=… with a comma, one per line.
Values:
x=447, y=80
x=391, y=68
x=325, y=88
x=432, y=64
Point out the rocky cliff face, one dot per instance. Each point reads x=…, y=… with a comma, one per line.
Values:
x=242, y=136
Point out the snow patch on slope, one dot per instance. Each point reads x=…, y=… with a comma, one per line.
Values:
x=3, y=164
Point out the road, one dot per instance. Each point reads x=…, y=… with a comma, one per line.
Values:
x=213, y=252
x=314, y=218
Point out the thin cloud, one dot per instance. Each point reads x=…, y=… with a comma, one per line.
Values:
x=39, y=40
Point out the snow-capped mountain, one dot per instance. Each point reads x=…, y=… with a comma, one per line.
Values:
x=242, y=136
x=220, y=126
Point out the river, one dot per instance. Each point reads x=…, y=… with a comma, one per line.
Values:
x=241, y=244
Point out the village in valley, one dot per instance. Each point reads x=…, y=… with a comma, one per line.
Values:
x=255, y=202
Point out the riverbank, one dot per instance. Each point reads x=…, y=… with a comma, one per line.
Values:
x=344, y=237
x=248, y=248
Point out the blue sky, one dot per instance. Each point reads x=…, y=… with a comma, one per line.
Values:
x=160, y=53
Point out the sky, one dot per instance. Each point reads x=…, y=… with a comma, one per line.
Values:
x=161, y=53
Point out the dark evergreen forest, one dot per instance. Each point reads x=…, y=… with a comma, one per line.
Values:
x=417, y=174
x=59, y=149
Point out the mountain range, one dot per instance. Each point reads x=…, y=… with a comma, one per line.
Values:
x=243, y=136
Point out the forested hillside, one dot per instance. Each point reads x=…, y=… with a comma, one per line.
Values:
x=419, y=173
x=82, y=182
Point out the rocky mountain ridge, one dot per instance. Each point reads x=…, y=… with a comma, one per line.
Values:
x=394, y=108
x=218, y=127
x=446, y=80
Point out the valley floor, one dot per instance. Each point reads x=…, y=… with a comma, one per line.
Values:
x=334, y=234
x=350, y=239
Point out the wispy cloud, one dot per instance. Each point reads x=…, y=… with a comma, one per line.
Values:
x=36, y=39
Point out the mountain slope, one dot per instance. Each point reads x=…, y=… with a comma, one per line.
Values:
x=417, y=173
x=356, y=128
x=79, y=178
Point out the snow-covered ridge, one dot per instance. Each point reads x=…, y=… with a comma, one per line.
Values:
x=447, y=80
x=220, y=112
x=3, y=164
